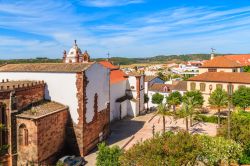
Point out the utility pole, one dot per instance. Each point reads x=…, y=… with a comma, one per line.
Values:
x=230, y=93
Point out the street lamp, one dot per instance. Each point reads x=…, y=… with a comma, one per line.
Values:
x=153, y=130
x=230, y=93
x=210, y=88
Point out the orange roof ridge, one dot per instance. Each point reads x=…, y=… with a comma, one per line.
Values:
x=221, y=62
x=225, y=77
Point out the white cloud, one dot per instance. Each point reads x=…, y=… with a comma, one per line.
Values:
x=109, y=3
x=170, y=31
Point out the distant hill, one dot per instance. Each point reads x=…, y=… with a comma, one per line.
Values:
x=122, y=60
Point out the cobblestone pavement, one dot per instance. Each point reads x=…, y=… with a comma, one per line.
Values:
x=125, y=133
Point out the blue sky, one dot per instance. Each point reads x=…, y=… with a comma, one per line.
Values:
x=127, y=28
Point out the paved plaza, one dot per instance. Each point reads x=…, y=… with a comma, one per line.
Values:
x=127, y=132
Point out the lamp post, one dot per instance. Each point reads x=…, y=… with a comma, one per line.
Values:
x=153, y=130
x=210, y=88
x=230, y=93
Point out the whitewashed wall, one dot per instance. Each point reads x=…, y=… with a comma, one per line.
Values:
x=133, y=108
x=132, y=83
x=124, y=108
x=117, y=90
x=61, y=87
x=98, y=77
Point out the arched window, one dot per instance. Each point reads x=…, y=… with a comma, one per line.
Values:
x=23, y=135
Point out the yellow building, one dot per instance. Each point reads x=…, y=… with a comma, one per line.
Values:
x=221, y=71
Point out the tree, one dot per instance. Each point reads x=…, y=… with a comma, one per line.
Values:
x=157, y=98
x=162, y=110
x=240, y=126
x=188, y=109
x=174, y=99
x=197, y=102
x=246, y=69
x=241, y=97
x=108, y=156
x=218, y=99
x=182, y=149
x=197, y=96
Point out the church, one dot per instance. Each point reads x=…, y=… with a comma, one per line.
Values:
x=50, y=108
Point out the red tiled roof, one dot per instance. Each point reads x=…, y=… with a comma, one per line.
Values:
x=243, y=59
x=225, y=77
x=161, y=87
x=221, y=62
x=109, y=65
x=117, y=76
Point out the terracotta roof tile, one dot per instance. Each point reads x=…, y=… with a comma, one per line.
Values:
x=221, y=62
x=222, y=77
x=108, y=64
x=161, y=87
x=117, y=76
x=243, y=59
x=181, y=86
x=149, y=78
x=46, y=67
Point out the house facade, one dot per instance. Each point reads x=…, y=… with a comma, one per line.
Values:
x=126, y=92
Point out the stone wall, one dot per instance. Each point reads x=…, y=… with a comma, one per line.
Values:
x=46, y=138
x=14, y=100
x=97, y=130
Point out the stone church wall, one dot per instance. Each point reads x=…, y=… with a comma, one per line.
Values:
x=46, y=137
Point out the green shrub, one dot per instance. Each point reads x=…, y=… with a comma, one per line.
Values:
x=108, y=156
x=240, y=132
x=209, y=119
x=182, y=149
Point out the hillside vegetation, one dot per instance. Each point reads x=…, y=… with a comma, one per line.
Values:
x=123, y=60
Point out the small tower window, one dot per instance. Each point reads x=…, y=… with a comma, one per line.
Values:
x=23, y=135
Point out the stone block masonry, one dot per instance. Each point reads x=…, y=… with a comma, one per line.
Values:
x=46, y=138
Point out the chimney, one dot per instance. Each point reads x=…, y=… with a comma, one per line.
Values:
x=212, y=53
x=212, y=56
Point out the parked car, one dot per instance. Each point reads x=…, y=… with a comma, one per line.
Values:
x=72, y=161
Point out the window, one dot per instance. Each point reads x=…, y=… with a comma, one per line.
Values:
x=234, y=70
x=202, y=86
x=212, y=70
x=23, y=135
x=192, y=85
x=218, y=86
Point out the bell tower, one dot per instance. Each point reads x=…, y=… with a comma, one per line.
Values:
x=75, y=55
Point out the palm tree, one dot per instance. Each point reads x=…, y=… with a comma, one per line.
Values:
x=188, y=109
x=195, y=100
x=163, y=110
x=174, y=99
x=218, y=99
